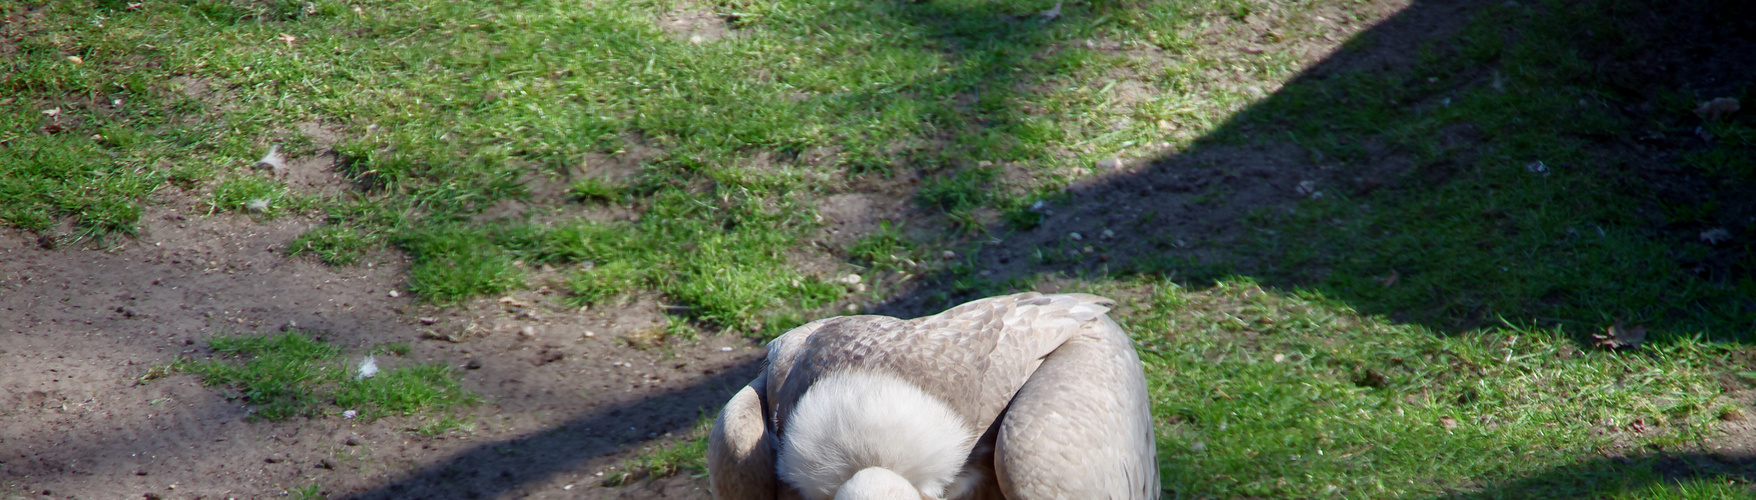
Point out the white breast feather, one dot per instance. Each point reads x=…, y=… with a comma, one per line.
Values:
x=850, y=421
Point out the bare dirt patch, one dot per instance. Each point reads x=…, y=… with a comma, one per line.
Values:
x=695, y=23
x=566, y=398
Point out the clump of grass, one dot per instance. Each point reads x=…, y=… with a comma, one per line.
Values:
x=44, y=178
x=455, y=263
x=337, y=245
x=606, y=283
x=885, y=249
x=292, y=374
x=404, y=390
x=308, y=492
x=666, y=460
x=595, y=189
x=280, y=375
x=251, y=194
x=959, y=194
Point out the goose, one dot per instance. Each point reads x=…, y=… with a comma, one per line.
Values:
x=1017, y=397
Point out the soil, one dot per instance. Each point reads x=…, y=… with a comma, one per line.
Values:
x=567, y=398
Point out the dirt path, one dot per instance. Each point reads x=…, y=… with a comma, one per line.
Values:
x=80, y=327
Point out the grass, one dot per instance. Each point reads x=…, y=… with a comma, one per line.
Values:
x=688, y=454
x=1433, y=335
x=292, y=374
x=1262, y=394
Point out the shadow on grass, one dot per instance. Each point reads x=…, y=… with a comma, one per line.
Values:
x=1696, y=475
x=1460, y=165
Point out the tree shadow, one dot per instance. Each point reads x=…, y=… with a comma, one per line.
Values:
x=491, y=469
x=1422, y=173
x=1708, y=475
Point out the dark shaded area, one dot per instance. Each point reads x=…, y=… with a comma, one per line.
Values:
x=492, y=469
x=1605, y=476
x=1236, y=202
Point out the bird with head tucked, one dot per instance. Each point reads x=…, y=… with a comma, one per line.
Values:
x=1019, y=397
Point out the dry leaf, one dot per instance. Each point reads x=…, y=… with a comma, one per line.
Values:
x=1618, y=336
x=1448, y=422
x=286, y=38
x=1712, y=110
x=53, y=112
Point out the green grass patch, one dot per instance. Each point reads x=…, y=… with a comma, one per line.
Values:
x=688, y=454
x=292, y=374
x=250, y=194
x=337, y=245
x=1262, y=394
x=455, y=262
x=886, y=249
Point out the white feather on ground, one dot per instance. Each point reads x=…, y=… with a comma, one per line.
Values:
x=273, y=160
x=368, y=368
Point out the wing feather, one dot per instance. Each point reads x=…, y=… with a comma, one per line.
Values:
x=1081, y=427
x=740, y=450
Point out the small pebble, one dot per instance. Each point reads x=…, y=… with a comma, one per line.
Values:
x=725, y=349
x=1087, y=250
x=351, y=442
x=394, y=293
x=1109, y=163
x=1076, y=236
x=429, y=321
x=950, y=255
x=1109, y=234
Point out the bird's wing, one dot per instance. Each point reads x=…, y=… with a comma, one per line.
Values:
x=1081, y=427
x=740, y=450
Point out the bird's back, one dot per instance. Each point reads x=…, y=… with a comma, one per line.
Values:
x=973, y=357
